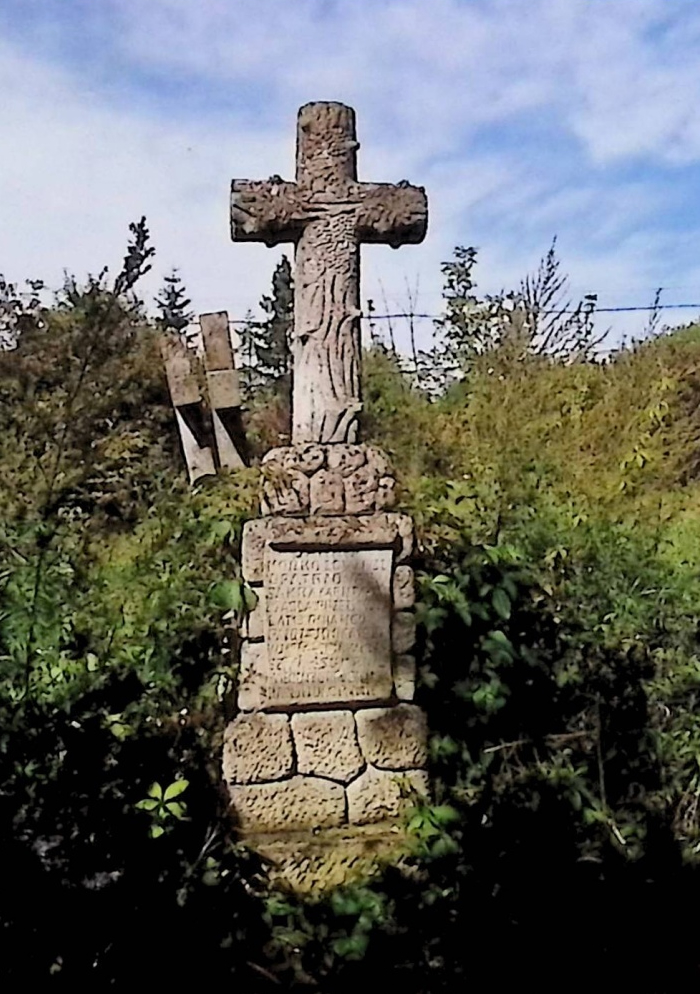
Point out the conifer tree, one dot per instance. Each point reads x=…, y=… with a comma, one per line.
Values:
x=266, y=344
x=173, y=303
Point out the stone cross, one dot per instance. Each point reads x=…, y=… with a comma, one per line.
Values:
x=327, y=214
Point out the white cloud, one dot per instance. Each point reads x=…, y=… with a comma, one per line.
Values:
x=439, y=88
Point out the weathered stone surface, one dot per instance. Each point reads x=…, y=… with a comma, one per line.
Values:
x=383, y=529
x=352, y=478
x=326, y=744
x=310, y=458
x=336, y=627
x=386, y=493
x=285, y=491
x=251, y=678
x=255, y=535
x=377, y=795
x=326, y=493
x=254, y=622
x=310, y=863
x=257, y=747
x=405, y=677
x=327, y=632
x=346, y=458
x=378, y=462
x=289, y=805
x=403, y=588
x=361, y=490
x=404, y=525
x=393, y=738
x=326, y=401
x=403, y=635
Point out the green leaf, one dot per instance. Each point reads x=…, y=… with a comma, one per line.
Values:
x=277, y=905
x=156, y=831
x=464, y=613
x=510, y=586
x=175, y=789
x=250, y=598
x=148, y=804
x=227, y=595
x=176, y=809
x=155, y=790
x=351, y=947
x=345, y=904
x=444, y=846
x=501, y=603
x=220, y=530
x=444, y=814
x=501, y=639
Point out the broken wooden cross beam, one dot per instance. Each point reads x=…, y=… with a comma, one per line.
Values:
x=206, y=398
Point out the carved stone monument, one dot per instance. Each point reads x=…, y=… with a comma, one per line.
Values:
x=327, y=214
x=326, y=739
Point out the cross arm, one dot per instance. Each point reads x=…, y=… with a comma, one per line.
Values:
x=393, y=214
x=270, y=211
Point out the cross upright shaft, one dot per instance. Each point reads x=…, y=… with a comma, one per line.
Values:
x=327, y=214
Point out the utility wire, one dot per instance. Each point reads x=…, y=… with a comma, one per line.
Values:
x=594, y=310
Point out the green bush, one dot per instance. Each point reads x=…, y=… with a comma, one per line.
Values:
x=556, y=506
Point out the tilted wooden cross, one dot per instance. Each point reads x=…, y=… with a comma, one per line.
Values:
x=328, y=214
x=209, y=419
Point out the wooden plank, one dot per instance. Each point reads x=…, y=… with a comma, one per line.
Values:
x=217, y=341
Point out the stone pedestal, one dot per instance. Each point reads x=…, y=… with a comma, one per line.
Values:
x=326, y=743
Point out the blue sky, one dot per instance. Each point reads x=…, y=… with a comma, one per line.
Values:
x=524, y=119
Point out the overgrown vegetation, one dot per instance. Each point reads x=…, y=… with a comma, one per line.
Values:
x=557, y=504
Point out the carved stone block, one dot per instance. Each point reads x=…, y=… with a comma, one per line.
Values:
x=289, y=805
x=255, y=534
x=383, y=529
x=286, y=492
x=377, y=795
x=386, y=493
x=346, y=458
x=403, y=588
x=254, y=622
x=352, y=478
x=327, y=631
x=251, y=681
x=309, y=458
x=361, y=491
x=393, y=738
x=326, y=493
x=404, y=677
x=257, y=748
x=326, y=744
x=404, y=632
x=404, y=524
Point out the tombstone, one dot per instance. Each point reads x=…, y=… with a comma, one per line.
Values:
x=326, y=740
x=206, y=398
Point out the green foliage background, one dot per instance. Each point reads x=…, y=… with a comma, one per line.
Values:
x=556, y=504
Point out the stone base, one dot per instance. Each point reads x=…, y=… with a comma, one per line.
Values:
x=326, y=739
x=306, y=862
x=323, y=769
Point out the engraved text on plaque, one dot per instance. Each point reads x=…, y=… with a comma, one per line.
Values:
x=327, y=625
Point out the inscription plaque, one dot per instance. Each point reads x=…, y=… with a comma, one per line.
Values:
x=327, y=625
